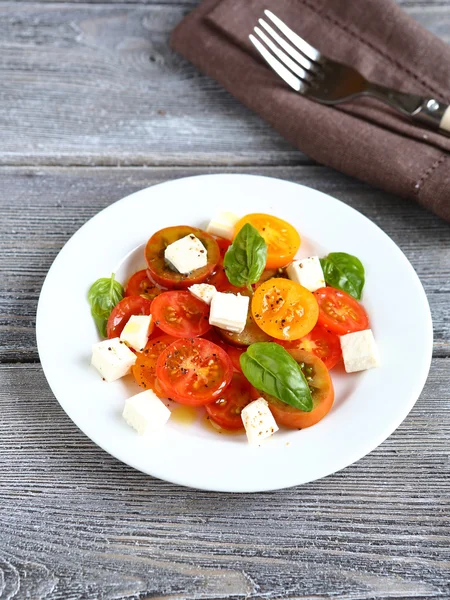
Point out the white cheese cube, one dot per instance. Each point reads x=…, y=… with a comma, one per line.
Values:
x=223, y=225
x=229, y=311
x=186, y=254
x=359, y=351
x=145, y=412
x=112, y=359
x=136, y=331
x=203, y=291
x=307, y=272
x=258, y=421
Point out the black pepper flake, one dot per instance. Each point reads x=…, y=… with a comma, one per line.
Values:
x=110, y=348
x=103, y=379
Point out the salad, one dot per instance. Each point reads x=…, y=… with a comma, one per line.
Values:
x=230, y=320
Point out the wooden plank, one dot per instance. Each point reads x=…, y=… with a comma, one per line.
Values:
x=408, y=5
x=41, y=208
x=76, y=523
x=96, y=84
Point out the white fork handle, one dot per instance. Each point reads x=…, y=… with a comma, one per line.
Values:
x=445, y=121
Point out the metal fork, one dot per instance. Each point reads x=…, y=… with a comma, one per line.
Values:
x=315, y=76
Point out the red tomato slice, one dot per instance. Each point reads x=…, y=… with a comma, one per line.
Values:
x=139, y=284
x=339, y=312
x=194, y=371
x=322, y=392
x=223, y=245
x=144, y=370
x=121, y=313
x=322, y=343
x=161, y=272
x=226, y=410
x=233, y=352
x=180, y=314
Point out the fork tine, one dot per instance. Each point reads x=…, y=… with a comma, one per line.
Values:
x=277, y=66
x=288, y=62
x=303, y=46
x=300, y=58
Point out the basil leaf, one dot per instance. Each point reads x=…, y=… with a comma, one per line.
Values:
x=103, y=296
x=344, y=272
x=245, y=259
x=270, y=368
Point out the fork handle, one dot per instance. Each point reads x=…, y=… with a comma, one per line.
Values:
x=427, y=110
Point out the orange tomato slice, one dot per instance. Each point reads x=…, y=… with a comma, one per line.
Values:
x=281, y=238
x=284, y=309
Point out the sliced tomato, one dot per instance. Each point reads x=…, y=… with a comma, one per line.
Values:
x=219, y=280
x=322, y=392
x=194, y=371
x=235, y=354
x=180, y=314
x=284, y=309
x=144, y=370
x=339, y=312
x=283, y=241
x=321, y=342
x=223, y=245
x=226, y=410
x=162, y=273
x=121, y=313
x=139, y=284
x=250, y=335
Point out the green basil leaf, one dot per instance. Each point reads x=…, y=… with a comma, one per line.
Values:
x=270, y=368
x=344, y=272
x=103, y=296
x=245, y=259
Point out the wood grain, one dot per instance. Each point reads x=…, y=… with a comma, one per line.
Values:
x=76, y=523
x=96, y=84
x=41, y=208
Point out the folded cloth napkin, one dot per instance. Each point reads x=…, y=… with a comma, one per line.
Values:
x=362, y=138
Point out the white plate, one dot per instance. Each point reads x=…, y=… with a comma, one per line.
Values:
x=369, y=406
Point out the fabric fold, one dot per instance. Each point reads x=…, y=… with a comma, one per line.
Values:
x=362, y=138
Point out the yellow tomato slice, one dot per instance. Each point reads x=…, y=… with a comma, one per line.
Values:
x=282, y=239
x=284, y=309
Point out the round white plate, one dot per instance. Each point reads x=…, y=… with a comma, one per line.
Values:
x=369, y=406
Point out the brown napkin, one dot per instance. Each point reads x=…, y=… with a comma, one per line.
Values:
x=362, y=138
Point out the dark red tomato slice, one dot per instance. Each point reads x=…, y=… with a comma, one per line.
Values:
x=339, y=312
x=167, y=277
x=194, y=371
x=226, y=410
x=121, y=313
x=322, y=392
x=250, y=334
x=180, y=314
x=235, y=354
x=144, y=370
x=223, y=245
x=321, y=343
x=220, y=281
x=140, y=285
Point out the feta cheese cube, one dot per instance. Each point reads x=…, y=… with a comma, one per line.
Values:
x=229, y=311
x=258, y=421
x=186, y=254
x=145, y=412
x=112, y=359
x=307, y=272
x=136, y=331
x=359, y=351
x=223, y=225
x=203, y=291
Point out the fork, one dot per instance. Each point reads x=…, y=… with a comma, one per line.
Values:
x=319, y=78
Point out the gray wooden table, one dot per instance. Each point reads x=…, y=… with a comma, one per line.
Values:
x=93, y=106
